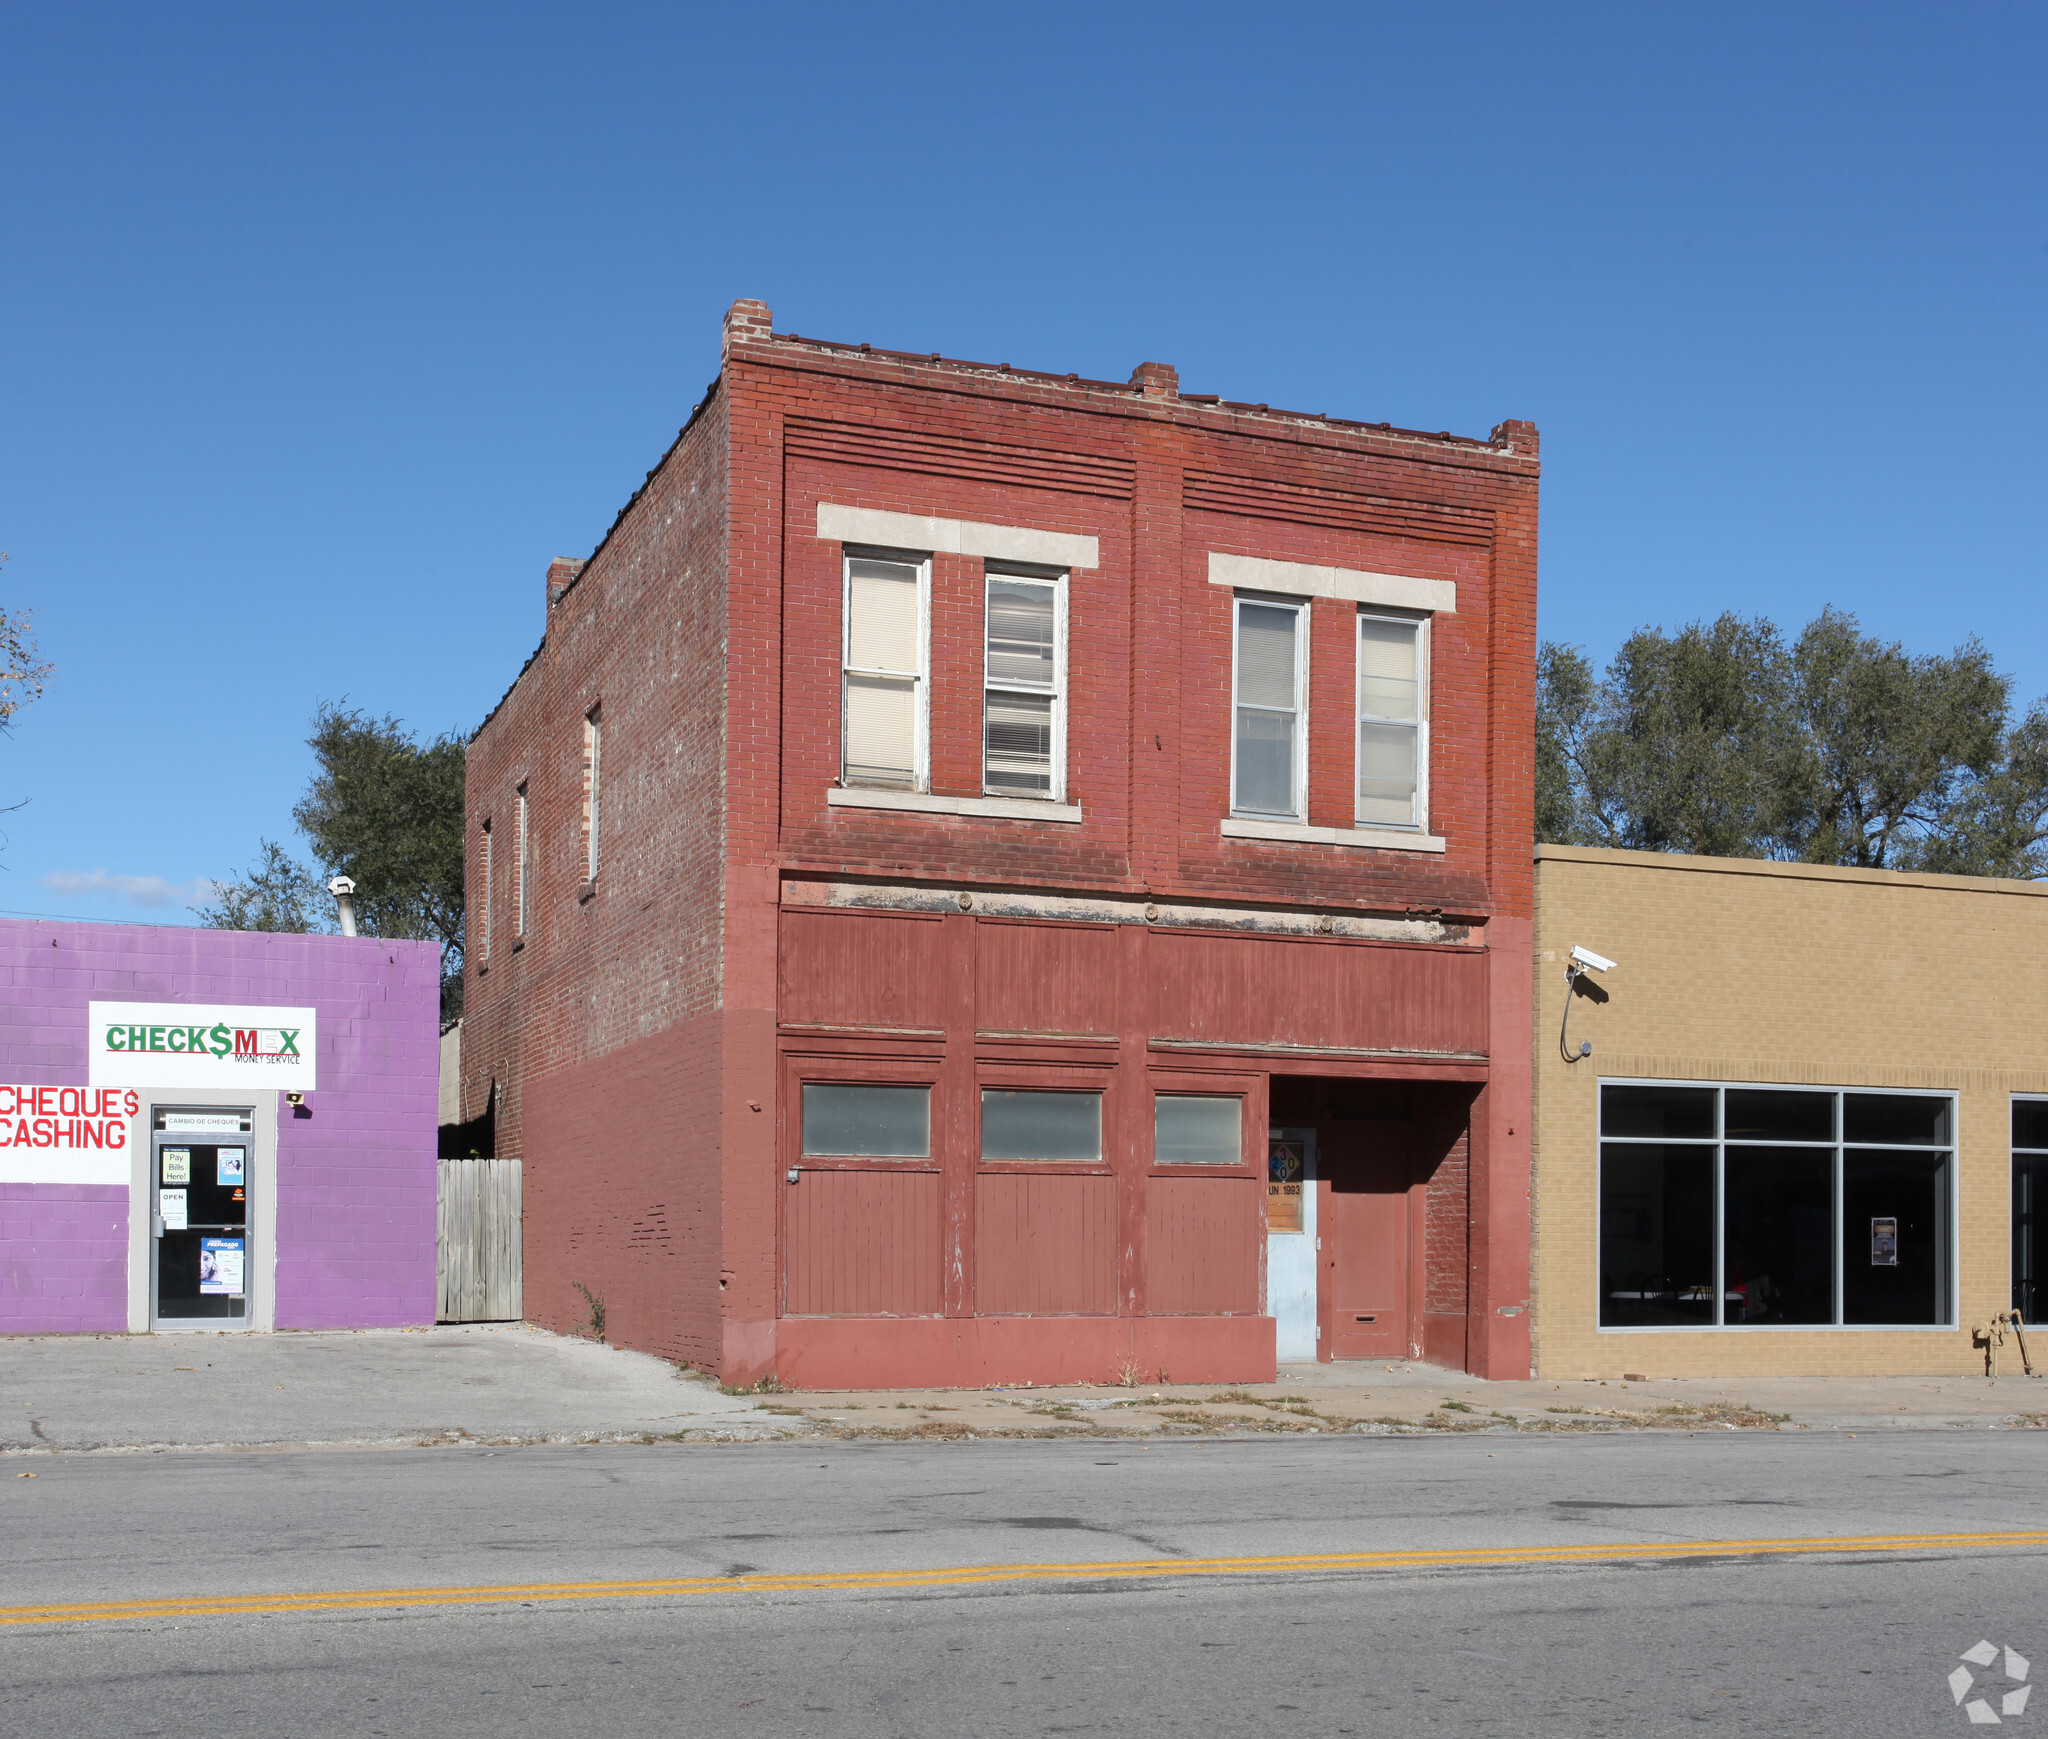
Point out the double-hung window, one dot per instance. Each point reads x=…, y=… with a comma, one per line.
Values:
x=1268, y=760
x=1024, y=726
x=1393, y=722
x=885, y=691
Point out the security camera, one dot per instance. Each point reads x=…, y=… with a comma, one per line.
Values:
x=1593, y=962
x=341, y=885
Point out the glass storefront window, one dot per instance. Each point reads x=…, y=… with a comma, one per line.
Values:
x=847, y=1120
x=1775, y=1207
x=1018, y=1123
x=1197, y=1129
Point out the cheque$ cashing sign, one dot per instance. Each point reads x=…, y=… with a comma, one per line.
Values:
x=200, y=1047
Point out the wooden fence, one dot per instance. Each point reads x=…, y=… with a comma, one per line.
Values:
x=478, y=1260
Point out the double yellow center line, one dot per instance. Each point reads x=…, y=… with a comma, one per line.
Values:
x=978, y=1575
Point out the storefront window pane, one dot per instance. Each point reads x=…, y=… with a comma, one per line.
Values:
x=1656, y=1235
x=2029, y=1237
x=1669, y=1113
x=1753, y=1114
x=1196, y=1129
x=1016, y=1124
x=1919, y=1120
x=2030, y=1124
x=1779, y=1206
x=864, y=1122
x=1894, y=1237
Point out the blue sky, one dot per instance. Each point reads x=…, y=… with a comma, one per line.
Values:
x=322, y=329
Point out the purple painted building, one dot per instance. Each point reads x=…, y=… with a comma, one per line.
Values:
x=215, y=1129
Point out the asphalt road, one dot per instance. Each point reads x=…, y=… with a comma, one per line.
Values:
x=1740, y=1640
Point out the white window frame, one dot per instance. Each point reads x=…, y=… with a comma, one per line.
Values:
x=1720, y=1143
x=1419, y=815
x=1303, y=623
x=921, y=700
x=1057, y=579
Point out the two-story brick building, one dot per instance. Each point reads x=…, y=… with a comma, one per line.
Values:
x=1000, y=876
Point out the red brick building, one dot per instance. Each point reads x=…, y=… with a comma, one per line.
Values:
x=1001, y=876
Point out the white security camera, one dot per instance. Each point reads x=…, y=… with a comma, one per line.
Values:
x=341, y=885
x=1593, y=962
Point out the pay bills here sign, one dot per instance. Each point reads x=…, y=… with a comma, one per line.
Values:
x=189, y=1047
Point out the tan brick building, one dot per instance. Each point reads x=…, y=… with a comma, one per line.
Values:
x=1800, y=1142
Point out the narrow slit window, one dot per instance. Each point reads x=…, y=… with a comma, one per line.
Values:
x=1393, y=722
x=593, y=740
x=1267, y=759
x=883, y=706
x=484, y=905
x=1024, y=681
x=522, y=912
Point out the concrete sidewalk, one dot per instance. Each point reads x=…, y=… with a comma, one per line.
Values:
x=1403, y=1398
x=509, y=1384
x=493, y=1382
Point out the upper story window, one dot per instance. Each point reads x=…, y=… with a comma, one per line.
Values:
x=1393, y=722
x=885, y=693
x=593, y=742
x=1268, y=763
x=521, y=907
x=1024, y=725
x=483, y=952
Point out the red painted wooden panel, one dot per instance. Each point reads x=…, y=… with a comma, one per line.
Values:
x=1044, y=1246
x=860, y=969
x=1238, y=989
x=1202, y=1246
x=862, y=1243
x=1057, y=978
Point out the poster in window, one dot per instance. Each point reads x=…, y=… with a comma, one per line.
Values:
x=1285, y=1173
x=171, y=1204
x=177, y=1165
x=230, y=1165
x=220, y=1267
x=1884, y=1242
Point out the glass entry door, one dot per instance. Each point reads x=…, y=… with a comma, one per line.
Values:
x=200, y=1177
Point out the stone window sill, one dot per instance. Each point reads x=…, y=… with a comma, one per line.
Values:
x=586, y=893
x=1377, y=838
x=921, y=803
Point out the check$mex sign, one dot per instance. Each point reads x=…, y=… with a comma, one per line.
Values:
x=203, y=1048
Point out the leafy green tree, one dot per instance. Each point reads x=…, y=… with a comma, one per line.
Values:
x=384, y=810
x=1721, y=740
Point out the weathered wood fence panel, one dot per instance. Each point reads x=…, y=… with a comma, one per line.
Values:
x=478, y=1267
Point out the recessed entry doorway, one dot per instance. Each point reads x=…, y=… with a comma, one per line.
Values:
x=201, y=1180
x=1376, y=1268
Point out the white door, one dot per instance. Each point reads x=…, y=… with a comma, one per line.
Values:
x=1291, y=1242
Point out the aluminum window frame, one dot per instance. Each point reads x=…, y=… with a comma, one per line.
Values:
x=1418, y=821
x=1057, y=579
x=2016, y=1153
x=1719, y=1143
x=921, y=692
x=1303, y=623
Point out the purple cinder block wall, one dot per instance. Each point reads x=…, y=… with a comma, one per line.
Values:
x=355, y=1176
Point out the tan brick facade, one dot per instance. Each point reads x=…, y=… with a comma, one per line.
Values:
x=1731, y=971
